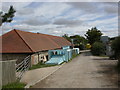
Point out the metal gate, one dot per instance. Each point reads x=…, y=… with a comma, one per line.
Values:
x=22, y=67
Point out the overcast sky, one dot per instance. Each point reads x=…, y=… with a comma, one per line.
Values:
x=58, y=18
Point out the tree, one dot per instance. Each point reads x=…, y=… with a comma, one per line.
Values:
x=7, y=17
x=78, y=39
x=98, y=48
x=116, y=49
x=93, y=35
x=66, y=37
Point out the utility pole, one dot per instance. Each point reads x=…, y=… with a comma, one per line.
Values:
x=72, y=43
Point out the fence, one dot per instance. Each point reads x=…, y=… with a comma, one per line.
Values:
x=22, y=67
x=8, y=71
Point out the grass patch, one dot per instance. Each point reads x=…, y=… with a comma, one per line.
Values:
x=40, y=65
x=13, y=85
x=75, y=55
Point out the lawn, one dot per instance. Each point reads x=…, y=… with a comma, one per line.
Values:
x=13, y=86
x=40, y=65
x=75, y=55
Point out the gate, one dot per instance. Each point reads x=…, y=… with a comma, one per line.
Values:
x=22, y=67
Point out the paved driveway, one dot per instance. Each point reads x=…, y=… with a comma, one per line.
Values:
x=84, y=71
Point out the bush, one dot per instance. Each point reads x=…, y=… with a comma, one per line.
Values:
x=118, y=66
x=81, y=47
x=116, y=49
x=98, y=48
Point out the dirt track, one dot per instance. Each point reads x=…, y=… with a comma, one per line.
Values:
x=84, y=71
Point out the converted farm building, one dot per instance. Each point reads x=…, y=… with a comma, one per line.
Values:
x=18, y=44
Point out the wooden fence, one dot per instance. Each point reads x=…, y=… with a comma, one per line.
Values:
x=8, y=71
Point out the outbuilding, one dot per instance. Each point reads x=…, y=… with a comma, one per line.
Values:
x=18, y=44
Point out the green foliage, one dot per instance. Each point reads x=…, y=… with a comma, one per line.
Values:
x=93, y=35
x=14, y=85
x=78, y=39
x=116, y=47
x=80, y=46
x=73, y=56
x=66, y=37
x=7, y=17
x=118, y=66
x=40, y=65
x=98, y=48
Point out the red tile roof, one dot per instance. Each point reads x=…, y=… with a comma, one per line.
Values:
x=17, y=41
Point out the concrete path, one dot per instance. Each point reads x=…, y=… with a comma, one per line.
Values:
x=84, y=71
x=31, y=77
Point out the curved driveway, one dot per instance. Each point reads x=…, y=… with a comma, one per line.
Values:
x=81, y=72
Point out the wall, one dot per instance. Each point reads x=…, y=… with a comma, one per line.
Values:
x=38, y=57
x=8, y=71
x=35, y=58
x=12, y=56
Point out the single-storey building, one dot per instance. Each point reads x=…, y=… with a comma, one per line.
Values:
x=18, y=44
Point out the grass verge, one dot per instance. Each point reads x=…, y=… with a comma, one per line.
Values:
x=14, y=86
x=75, y=55
x=40, y=65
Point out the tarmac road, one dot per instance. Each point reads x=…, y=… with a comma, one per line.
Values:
x=84, y=71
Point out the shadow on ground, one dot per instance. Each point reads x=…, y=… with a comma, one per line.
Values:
x=87, y=54
x=107, y=68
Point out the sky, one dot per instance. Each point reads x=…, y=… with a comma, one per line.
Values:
x=58, y=18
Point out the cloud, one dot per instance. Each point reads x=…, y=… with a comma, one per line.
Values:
x=64, y=17
x=34, y=21
x=25, y=11
x=66, y=22
x=17, y=5
x=60, y=0
x=51, y=10
x=95, y=7
x=109, y=7
x=88, y=7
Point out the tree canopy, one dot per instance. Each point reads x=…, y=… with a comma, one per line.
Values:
x=7, y=17
x=116, y=47
x=78, y=39
x=66, y=37
x=93, y=35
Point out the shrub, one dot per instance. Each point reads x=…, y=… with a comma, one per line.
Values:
x=98, y=48
x=118, y=66
x=116, y=49
x=82, y=47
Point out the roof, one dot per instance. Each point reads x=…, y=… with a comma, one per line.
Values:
x=17, y=41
